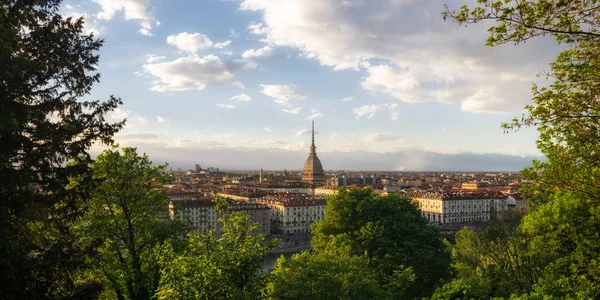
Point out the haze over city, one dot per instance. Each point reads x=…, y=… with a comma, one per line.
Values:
x=237, y=82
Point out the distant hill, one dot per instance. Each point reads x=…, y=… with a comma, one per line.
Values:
x=277, y=159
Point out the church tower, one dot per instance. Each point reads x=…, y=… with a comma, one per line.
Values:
x=313, y=170
x=260, y=178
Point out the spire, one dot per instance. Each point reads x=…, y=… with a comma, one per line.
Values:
x=260, y=178
x=313, y=148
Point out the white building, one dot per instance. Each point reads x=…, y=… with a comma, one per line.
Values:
x=293, y=213
x=259, y=213
x=200, y=213
x=325, y=190
x=459, y=206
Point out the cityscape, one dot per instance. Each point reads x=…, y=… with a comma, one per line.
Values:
x=298, y=149
x=288, y=203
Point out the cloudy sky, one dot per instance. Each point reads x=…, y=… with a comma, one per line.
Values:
x=377, y=76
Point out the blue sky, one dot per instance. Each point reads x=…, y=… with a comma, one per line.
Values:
x=376, y=76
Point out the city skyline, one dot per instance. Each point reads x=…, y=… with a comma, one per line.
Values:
x=240, y=77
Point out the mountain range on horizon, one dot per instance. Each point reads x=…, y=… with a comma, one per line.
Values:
x=241, y=159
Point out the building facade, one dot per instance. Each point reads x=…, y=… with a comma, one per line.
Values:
x=293, y=213
x=200, y=213
x=459, y=207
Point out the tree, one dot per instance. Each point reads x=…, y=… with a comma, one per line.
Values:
x=489, y=265
x=215, y=265
x=566, y=231
x=333, y=274
x=125, y=223
x=390, y=231
x=47, y=66
x=562, y=230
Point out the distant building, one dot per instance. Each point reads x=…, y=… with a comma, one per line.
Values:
x=313, y=170
x=259, y=213
x=473, y=185
x=260, y=176
x=199, y=212
x=459, y=207
x=338, y=181
x=293, y=213
x=325, y=190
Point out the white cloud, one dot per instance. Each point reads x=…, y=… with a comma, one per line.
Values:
x=233, y=34
x=282, y=102
x=264, y=52
x=314, y=114
x=161, y=119
x=444, y=129
x=189, y=42
x=402, y=85
x=380, y=137
x=267, y=129
x=282, y=92
x=242, y=98
x=226, y=105
x=133, y=10
x=222, y=45
x=394, y=42
x=193, y=73
x=365, y=111
x=348, y=99
x=151, y=58
x=304, y=132
x=393, y=114
x=294, y=111
x=137, y=135
x=133, y=119
x=118, y=114
x=144, y=31
x=257, y=28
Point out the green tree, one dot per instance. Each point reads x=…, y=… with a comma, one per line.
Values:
x=125, y=222
x=334, y=274
x=487, y=265
x=47, y=65
x=216, y=265
x=566, y=231
x=390, y=231
x=562, y=231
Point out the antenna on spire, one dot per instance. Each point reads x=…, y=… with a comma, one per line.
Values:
x=313, y=148
x=313, y=131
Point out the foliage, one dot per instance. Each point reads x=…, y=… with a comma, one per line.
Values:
x=325, y=276
x=561, y=234
x=125, y=221
x=390, y=231
x=553, y=253
x=567, y=230
x=216, y=265
x=47, y=66
x=488, y=265
x=334, y=274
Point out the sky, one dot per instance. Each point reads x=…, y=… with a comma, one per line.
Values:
x=242, y=79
